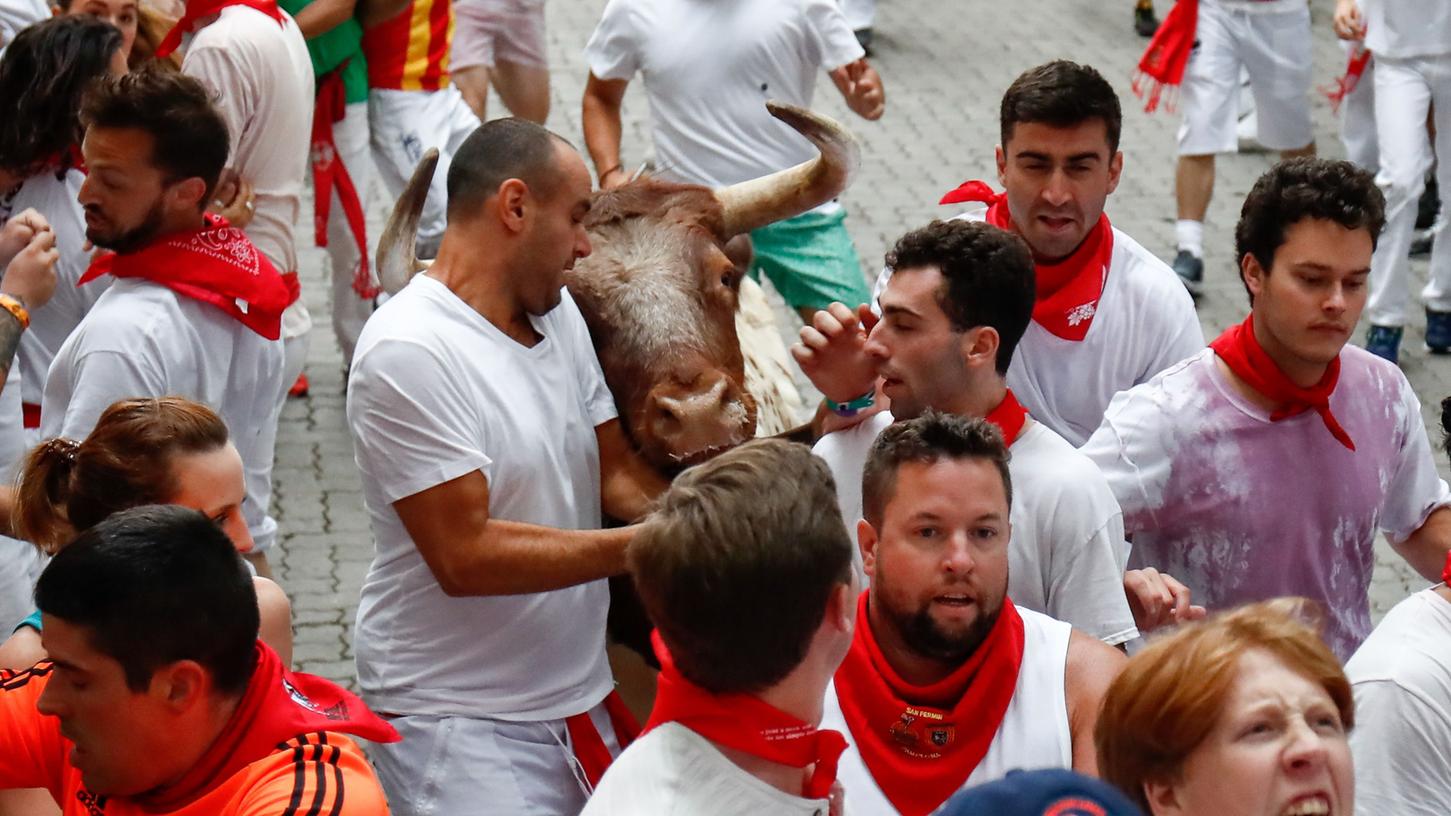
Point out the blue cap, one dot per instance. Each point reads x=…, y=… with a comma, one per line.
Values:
x=1050, y=792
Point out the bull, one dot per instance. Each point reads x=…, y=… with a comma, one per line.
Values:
x=660, y=295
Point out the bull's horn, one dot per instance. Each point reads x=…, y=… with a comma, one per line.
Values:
x=396, y=260
x=790, y=192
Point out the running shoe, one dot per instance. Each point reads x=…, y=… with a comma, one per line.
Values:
x=1190, y=270
x=1438, y=332
x=1385, y=342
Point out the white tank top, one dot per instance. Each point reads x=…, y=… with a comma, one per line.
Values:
x=1034, y=732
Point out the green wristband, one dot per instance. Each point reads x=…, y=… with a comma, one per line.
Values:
x=854, y=407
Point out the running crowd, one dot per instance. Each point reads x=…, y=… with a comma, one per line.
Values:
x=1046, y=552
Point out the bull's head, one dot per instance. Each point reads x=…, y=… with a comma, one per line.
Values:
x=659, y=293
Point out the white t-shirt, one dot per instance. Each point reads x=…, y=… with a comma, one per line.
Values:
x=437, y=392
x=55, y=197
x=1145, y=323
x=1259, y=6
x=1034, y=732
x=672, y=770
x=1401, y=744
x=1067, y=553
x=144, y=340
x=17, y=14
x=1242, y=509
x=263, y=77
x=1401, y=29
x=709, y=69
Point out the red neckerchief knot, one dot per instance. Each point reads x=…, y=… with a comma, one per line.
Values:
x=200, y=9
x=745, y=723
x=1009, y=417
x=1167, y=57
x=277, y=706
x=1068, y=290
x=921, y=743
x=217, y=264
x=1244, y=356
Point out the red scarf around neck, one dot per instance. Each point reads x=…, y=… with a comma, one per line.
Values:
x=1068, y=291
x=1167, y=57
x=921, y=743
x=1009, y=416
x=197, y=10
x=745, y=723
x=277, y=706
x=1244, y=355
x=217, y=264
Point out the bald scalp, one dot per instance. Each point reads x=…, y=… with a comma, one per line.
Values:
x=500, y=150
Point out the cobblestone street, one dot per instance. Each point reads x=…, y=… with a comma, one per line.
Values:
x=945, y=66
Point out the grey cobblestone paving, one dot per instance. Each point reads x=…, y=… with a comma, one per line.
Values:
x=945, y=66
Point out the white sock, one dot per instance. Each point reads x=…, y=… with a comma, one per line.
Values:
x=1191, y=236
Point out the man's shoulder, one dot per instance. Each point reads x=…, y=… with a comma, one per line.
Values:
x=322, y=772
x=1049, y=469
x=1149, y=280
x=852, y=443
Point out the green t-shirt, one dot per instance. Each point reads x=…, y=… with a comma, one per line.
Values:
x=328, y=51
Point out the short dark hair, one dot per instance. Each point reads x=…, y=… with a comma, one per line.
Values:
x=496, y=152
x=738, y=561
x=1301, y=188
x=987, y=273
x=154, y=585
x=1062, y=94
x=189, y=136
x=45, y=71
x=928, y=439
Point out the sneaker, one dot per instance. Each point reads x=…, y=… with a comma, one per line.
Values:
x=1190, y=270
x=1421, y=244
x=1438, y=332
x=1384, y=342
x=1145, y=21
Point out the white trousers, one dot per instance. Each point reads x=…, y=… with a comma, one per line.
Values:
x=1405, y=91
x=404, y=125
x=350, y=309
x=459, y=766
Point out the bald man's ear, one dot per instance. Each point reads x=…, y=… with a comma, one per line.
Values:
x=511, y=202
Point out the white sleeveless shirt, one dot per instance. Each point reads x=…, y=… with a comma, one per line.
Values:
x=1034, y=732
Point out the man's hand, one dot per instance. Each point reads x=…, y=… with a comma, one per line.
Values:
x=234, y=199
x=613, y=177
x=30, y=275
x=1158, y=600
x=861, y=87
x=18, y=231
x=832, y=352
x=1349, y=23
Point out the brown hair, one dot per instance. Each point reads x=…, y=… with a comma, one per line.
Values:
x=1170, y=695
x=738, y=561
x=67, y=487
x=927, y=439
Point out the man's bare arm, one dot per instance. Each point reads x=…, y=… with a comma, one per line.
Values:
x=1425, y=549
x=471, y=553
x=602, y=129
x=628, y=485
x=373, y=12
x=321, y=16
x=1092, y=667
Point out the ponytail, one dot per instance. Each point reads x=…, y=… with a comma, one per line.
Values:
x=44, y=490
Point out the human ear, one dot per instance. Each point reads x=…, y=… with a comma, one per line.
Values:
x=189, y=194
x=866, y=536
x=1163, y=799
x=1115, y=169
x=180, y=685
x=1001, y=157
x=980, y=346
x=512, y=199
x=1253, y=274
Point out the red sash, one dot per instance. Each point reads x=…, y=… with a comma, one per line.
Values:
x=1344, y=85
x=1068, y=291
x=218, y=265
x=328, y=171
x=921, y=743
x=277, y=706
x=747, y=724
x=589, y=746
x=1009, y=416
x=1244, y=355
x=1167, y=57
x=200, y=9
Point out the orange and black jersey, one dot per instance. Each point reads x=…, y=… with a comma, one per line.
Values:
x=320, y=773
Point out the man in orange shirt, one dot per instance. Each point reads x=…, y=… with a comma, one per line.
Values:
x=158, y=697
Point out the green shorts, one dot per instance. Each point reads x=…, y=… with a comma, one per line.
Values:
x=811, y=261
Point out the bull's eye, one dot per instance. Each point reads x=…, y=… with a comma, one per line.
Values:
x=728, y=280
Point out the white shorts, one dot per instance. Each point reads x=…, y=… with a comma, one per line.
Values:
x=404, y=124
x=1275, y=50
x=486, y=31
x=451, y=766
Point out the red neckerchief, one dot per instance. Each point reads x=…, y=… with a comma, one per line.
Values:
x=200, y=9
x=1344, y=85
x=589, y=747
x=216, y=264
x=328, y=171
x=1239, y=350
x=1165, y=60
x=1009, y=416
x=277, y=706
x=921, y=743
x=1446, y=570
x=1068, y=291
x=745, y=723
